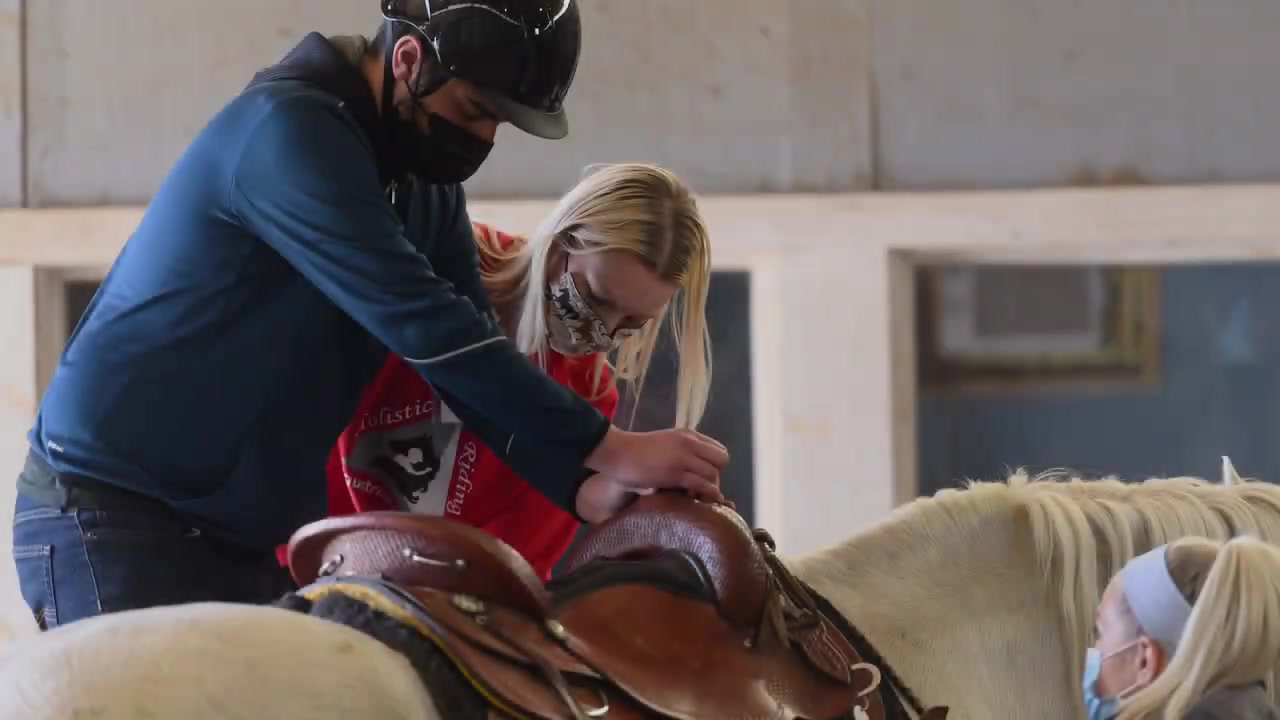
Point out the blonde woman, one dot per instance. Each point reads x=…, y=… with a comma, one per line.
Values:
x=622, y=252
x=1188, y=631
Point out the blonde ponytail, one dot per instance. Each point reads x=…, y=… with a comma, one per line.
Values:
x=1233, y=634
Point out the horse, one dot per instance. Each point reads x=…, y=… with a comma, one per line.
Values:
x=982, y=599
x=979, y=599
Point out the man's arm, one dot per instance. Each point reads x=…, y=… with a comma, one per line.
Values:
x=549, y=474
x=455, y=254
x=307, y=185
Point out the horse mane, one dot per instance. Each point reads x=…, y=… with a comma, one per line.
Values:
x=1085, y=531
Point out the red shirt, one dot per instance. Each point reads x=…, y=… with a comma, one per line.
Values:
x=401, y=453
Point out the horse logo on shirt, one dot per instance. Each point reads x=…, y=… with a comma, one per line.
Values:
x=404, y=460
x=402, y=451
x=410, y=464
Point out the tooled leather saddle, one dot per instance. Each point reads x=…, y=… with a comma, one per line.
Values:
x=671, y=609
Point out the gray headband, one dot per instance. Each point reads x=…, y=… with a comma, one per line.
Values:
x=1156, y=602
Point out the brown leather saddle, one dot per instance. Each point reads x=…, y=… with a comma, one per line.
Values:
x=671, y=609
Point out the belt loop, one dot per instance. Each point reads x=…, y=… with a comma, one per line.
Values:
x=61, y=494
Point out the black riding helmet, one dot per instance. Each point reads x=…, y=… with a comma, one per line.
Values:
x=521, y=53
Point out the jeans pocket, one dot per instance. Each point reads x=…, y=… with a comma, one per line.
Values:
x=116, y=525
x=141, y=559
x=35, y=578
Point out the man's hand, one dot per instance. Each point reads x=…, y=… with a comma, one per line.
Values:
x=643, y=462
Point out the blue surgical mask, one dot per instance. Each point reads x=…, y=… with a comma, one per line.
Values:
x=1096, y=708
x=1100, y=708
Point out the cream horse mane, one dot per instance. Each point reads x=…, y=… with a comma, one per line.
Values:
x=1069, y=535
x=1086, y=531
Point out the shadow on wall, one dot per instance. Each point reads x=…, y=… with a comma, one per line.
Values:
x=1218, y=394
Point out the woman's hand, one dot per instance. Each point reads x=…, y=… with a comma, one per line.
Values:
x=599, y=498
x=666, y=459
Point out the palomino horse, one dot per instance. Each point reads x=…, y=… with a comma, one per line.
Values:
x=980, y=599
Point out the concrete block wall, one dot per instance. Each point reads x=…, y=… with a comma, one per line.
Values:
x=742, y=96
x=727, y=93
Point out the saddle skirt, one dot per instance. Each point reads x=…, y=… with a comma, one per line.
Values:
x=672, y=610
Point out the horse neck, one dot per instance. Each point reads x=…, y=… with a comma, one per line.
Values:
x=955, y=603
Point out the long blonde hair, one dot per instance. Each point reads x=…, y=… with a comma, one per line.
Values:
x=1233, y=635
x=638, y=208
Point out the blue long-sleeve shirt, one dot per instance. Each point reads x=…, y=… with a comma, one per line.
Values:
x=230, y=341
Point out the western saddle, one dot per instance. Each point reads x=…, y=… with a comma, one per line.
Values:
x=671, y=609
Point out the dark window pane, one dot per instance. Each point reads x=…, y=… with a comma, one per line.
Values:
x=1216, y=392
x=728, y=417
x=1042, y=300
x=79, y=294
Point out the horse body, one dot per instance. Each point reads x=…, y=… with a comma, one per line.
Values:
x=980, y=600
x=208, y=661
x=955, y=603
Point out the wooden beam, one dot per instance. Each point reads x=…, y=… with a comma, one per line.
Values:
x=1142, y=224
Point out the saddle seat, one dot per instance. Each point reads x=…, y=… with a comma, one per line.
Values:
x=671, y=609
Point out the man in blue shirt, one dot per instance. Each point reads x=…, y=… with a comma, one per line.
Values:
x=316, y=222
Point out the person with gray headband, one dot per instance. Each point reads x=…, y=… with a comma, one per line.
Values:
x=1187, y=631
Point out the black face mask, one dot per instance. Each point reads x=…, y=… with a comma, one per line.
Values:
x=445, y=154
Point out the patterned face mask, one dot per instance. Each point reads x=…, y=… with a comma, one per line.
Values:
x=573, y=327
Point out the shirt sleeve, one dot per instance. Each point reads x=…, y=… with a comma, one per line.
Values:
x=455, y=254
x=307, y=185
x=459, y=257
x=552, y=474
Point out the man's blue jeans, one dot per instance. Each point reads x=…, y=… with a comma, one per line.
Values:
x=75, y=563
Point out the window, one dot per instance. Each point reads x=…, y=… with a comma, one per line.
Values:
x=78, y=296
x=993, y=325
x=1217, y=393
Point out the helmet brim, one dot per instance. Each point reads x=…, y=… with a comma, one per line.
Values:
x=551, y=126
